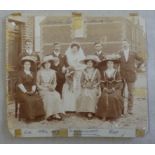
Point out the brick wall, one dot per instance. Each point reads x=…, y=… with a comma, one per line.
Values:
x=27, y=31
x=110, y=30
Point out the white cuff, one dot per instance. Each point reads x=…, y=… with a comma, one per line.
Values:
x=22, y=88
x=34, y=88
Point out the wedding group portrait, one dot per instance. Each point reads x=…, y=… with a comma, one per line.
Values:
x=76, y=70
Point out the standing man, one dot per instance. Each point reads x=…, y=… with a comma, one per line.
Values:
x=57, y=53
x=28, y=51
x=100, y=54
x=59, y=65
x=128, y=62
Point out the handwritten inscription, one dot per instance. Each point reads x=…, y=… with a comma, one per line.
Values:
x=43, y=131
x=27, y=132
x=113, y=131
x=78, y=133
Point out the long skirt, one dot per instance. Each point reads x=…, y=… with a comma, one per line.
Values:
x=69, y=98
x=52, y=102
x=70, y=95
x=31, y=106
x=87, y=100
x=109, y=106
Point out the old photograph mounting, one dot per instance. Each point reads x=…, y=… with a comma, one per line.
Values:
x=76, y=74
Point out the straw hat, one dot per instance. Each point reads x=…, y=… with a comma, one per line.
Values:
x=48, y=58
x=93, y=58
x=32, y=59
x=112, y=57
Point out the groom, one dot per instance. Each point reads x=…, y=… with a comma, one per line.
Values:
x=59, y=65
x=58, y=54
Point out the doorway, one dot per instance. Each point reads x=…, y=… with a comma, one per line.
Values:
x=13, y=51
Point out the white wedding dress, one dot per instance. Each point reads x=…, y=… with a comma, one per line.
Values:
x=70, y=95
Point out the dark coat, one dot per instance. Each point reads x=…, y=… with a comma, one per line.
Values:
x=31, y=106
x=62, y=58
x=100, y=56
x=128, y=69
x=101, y=66
x=60, y=77
x=110, y=104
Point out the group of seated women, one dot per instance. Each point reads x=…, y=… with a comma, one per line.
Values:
x=98, y=93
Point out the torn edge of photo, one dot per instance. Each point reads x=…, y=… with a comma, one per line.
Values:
x=76, y=74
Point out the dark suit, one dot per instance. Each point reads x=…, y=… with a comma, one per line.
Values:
x=128, y=73
x=101, y=66
x=60, y=76
x=62, y=58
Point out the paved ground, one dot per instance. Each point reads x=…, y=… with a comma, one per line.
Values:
x=138, y=119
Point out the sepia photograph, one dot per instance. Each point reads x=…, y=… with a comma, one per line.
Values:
x=76, y=75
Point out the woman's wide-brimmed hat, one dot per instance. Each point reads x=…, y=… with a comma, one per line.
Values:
x=93, y=58
x=48, y=58
x=112, y=57
x=32, y=59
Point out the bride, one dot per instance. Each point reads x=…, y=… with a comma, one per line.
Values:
x=72, y=87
